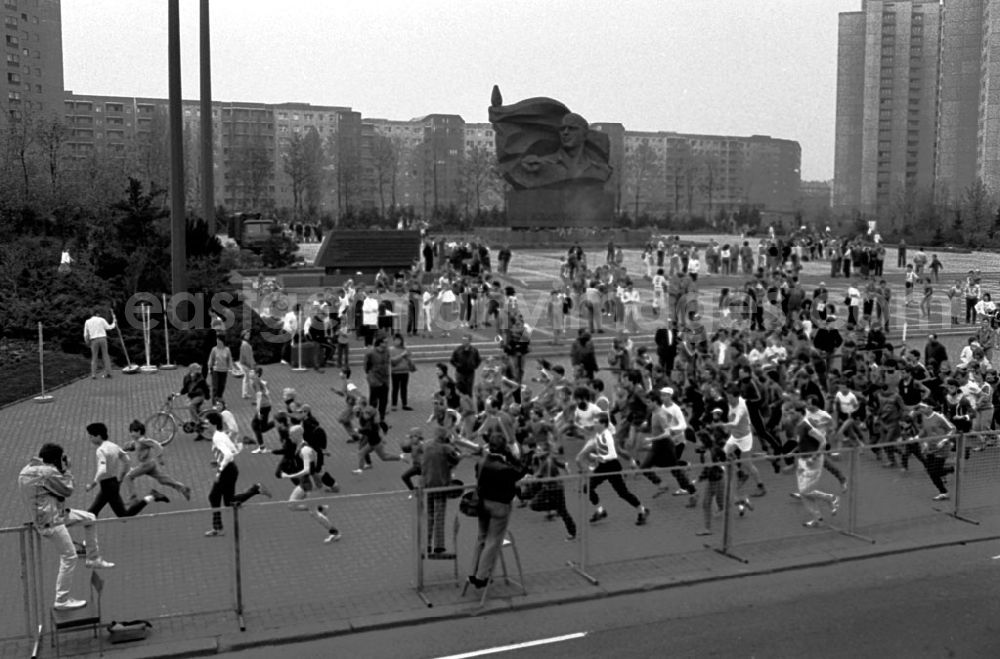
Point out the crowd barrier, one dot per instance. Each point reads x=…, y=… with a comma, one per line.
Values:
x=271, y=567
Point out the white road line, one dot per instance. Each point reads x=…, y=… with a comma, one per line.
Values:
x=516, y=646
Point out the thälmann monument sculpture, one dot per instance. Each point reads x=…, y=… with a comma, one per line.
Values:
x=557, y=167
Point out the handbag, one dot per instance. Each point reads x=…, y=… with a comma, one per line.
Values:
x=470, y=504
x=130, y=630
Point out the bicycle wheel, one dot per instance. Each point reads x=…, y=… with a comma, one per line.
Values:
x=161, y=427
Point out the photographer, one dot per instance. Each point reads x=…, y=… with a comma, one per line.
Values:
x=45, y=484
x=497, y=476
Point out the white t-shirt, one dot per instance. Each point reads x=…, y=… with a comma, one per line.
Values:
x=369, y=311
x=675, y=415
x=846, y=403
x=694, y=265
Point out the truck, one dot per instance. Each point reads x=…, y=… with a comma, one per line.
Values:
x=251, y=230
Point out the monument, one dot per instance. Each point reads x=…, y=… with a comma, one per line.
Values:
x=556, y=165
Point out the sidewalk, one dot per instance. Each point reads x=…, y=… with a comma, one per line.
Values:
x=204, y=635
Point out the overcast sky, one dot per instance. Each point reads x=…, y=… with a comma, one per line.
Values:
x=732, y=67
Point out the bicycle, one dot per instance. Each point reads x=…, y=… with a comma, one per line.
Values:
x=162, y=426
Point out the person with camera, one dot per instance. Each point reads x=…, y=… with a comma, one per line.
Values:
x=496, y=484
x=45, y=484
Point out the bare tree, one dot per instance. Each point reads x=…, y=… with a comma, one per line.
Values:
x=251, y=168
x=708, y=181
x=385, y=163
x=52, y=135
x=478, y=175
x=344, y=158
x=314, y=161
x=640, y=165
x=294, y=161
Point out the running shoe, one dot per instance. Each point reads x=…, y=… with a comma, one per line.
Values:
x=214, y=533
x=98, y=564
x=598, y=515
x=263, y=490
x=331, y=537
x=159, y=496
x=69, y=604
x=643, y=515
x=834, y=505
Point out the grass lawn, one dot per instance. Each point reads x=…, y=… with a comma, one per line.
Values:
x=20, y=378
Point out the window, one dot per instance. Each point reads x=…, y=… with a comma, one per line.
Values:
x=38, y=89
x=13, y=60
x=14, y=97
x=10, y=22
x=10, y=4
x=14, y=41
x=13, y=78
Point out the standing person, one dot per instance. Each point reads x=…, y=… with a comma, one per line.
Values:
x=45, y=484
x=400, y=366
x=224, y=486
x=112, y=466
x=901, y=254
x=973, y=292
x=149, y=461
x=600, y=451
x=503, y=259
x=95, y=335
x=935, y=266
x=465, y=358
x=220, y=362
x=377, y=370
x=247, y=363
x=496, y=484
x=437, y=459
x=955, y=295
x=305, y=480
x=369, y=316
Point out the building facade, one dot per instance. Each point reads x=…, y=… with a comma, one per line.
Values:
x=33, y=49
x=679, y=174
x=887, y=102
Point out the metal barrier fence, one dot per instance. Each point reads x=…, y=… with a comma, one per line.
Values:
x=272, y=566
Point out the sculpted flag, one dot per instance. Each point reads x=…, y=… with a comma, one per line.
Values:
x=529, y=149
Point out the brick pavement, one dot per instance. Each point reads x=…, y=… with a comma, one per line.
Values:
x=371, y=573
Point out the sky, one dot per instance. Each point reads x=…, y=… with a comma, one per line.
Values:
x=729, y=67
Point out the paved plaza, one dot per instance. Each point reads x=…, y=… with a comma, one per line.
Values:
x=169, y=572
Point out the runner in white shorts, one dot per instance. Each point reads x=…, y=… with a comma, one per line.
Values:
x=740, y=445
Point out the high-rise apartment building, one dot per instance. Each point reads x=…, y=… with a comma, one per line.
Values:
x=887, y=96
x=969, y=111
x=33, y=48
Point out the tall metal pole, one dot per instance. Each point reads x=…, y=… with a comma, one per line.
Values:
x=207, y=153
x=178, y=222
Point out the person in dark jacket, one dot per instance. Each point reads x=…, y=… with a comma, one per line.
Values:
x=582, y=354
x=496, y=484
x=465, y=358
x=377, y=372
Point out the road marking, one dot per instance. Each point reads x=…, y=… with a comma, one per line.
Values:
x=516, y=646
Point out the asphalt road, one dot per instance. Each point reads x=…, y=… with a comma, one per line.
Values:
x=933, y=603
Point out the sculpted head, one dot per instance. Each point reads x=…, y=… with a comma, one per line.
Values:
x=573, y=131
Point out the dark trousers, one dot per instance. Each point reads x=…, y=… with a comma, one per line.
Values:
x=260, y=426
x=379, y=397
x=934, y=464
x=970, y=309
x=109, y=494
x=219, y=383
x=400, y=383
x=664, y=453
x=465, y=382
x=408, y=475
x=343, y=354
x=611, y=472
x=224, y=492
x=551, y=498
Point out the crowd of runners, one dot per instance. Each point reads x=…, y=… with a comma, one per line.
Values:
x=780, y=370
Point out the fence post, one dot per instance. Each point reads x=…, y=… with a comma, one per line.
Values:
x=38, y=585
x=960, y=460
x=238, y=567
x=583, y=530
x=851, y=492
x=418, y=516
x=727, y=513
x=25, y=580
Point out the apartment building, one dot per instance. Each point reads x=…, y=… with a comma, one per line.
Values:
x=33, y=48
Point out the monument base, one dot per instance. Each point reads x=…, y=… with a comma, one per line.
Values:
x=571, y=206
